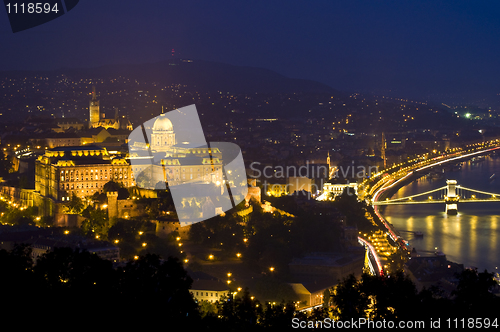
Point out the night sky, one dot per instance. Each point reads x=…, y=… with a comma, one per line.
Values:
x=414, y=49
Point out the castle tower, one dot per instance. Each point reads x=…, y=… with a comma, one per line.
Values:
x=95, y=114
x=112, y=204
x=116, y=124
x=451, y=197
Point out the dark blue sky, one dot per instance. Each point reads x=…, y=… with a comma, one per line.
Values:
x=414, y=48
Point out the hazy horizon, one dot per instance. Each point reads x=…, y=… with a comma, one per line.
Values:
x=424, y=51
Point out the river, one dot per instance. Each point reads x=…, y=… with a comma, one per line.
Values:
x=471, y=237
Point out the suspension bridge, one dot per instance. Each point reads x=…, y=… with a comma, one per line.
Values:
x=451, y=195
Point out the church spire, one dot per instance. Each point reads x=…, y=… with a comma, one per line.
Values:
x=329, y=165
x=94, y=112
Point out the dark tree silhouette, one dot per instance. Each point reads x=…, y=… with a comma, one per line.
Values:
x=111, y=186
x=348, y=299
x=473, y=294
x=160, y=287
x=74, y=205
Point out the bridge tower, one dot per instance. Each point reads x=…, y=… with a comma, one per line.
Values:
x=451, y=197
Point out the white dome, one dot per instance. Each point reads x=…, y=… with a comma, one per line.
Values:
x=162, y=123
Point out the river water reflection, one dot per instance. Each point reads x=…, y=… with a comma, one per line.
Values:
x=473, y=236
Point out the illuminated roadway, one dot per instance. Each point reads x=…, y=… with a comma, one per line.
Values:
x=397, y=174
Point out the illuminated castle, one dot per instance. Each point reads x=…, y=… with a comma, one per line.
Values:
x=98, y=119
x=162, y=135
x=163, y=159
x=80, y=170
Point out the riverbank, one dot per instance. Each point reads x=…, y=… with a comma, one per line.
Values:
x=470, y=237
x=390, y=188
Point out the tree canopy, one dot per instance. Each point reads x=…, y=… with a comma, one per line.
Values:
x=74, y=280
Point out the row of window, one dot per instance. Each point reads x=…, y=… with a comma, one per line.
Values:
x=78, y=186
x=207, y=169
x=105, y=177
x=159, y=142
x=70, y=191
x=119, y=173
x=206, y=294
x=76, y=192
x=120, y=170
x=87, y=178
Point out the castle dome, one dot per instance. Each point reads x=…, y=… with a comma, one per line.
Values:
x=162, y=123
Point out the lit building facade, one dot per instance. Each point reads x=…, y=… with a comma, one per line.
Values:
x=98, y=119
x=208, y=288
x=82, y=170
x=338, y=188
x=162, y=135
x=209, y=294
x=163, y=160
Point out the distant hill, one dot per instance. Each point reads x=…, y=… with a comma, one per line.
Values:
x=201, y=75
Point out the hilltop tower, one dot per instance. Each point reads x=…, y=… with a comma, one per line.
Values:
x=94, y=112
x=382, y=150
x=329, y=165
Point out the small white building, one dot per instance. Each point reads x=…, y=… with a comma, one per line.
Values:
x=207, y=288
x=338, y=188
